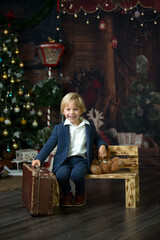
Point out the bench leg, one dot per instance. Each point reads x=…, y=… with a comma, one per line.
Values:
x=137, y=189
x=130, y=191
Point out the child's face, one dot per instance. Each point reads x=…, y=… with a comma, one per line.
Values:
x=72, y=113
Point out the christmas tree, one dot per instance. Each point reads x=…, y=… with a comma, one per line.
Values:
x=142, y=112
x=18, y=117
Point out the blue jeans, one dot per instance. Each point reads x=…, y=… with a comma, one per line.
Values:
x=74, y=168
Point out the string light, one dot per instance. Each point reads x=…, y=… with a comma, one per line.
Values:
x=137, y=13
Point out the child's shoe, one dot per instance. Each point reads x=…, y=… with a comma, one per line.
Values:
x=80, y=200
x=67, y=200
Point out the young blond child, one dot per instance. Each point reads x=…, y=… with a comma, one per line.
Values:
x=75, y=139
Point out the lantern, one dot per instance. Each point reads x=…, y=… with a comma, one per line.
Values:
x=102, y=25
x=50, y=53
x=114, y=42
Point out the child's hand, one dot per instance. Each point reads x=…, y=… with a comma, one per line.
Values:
x=102, y=152
x=36, y=162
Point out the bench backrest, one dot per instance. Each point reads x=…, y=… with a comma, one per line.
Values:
x=129, y=155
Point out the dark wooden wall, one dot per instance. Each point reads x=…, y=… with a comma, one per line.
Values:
x=88, y=47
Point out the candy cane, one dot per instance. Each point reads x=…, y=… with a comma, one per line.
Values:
x=48, y=117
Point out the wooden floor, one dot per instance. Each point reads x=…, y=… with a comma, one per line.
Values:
x=104, y=216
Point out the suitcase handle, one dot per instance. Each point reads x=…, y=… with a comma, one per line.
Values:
x=37, y=167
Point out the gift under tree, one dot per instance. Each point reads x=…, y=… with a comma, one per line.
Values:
x=18, y=115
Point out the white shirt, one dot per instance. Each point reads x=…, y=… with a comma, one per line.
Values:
x=77, y=145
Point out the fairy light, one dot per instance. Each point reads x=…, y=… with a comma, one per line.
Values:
x=98, y=16
x=87, y=22
x=155, y=22
x=75, y=15
x=85, y=13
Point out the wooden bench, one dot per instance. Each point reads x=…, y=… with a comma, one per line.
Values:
x=130, y=172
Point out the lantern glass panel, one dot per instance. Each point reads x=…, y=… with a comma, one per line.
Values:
x=52, y=55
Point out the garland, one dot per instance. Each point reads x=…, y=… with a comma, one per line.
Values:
x=18, y=26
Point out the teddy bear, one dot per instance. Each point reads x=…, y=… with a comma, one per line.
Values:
x=106, y=165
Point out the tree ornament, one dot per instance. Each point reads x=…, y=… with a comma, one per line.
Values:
x=32, y=112
x=12, y=81
x=1, y=119
x=35, y=124
x=21, y=64
x=1, y=60
x=5, y=133
x=4, y=48
x=10, y=94
x=14, y=145
x=20, y=92
x=16, y=134
x=23, y=122
x=4, y=76
x=18, y=80
x=28, y=107
x=5, y=31
x=10, y=16
x=5, y=110
x=16, y=109
x=13, y=61
x=17, y=51
x=39, y=113
x=7, y=122
x=8, y=149
x=15, y=40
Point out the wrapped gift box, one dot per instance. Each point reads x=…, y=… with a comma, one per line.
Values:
x=26, y=154
x=130, y=139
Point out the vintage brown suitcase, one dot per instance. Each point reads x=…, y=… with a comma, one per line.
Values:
x=40, y=190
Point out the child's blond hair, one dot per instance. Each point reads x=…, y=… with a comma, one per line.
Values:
x=79, y=102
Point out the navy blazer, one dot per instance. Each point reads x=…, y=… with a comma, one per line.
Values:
x=60, y=138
